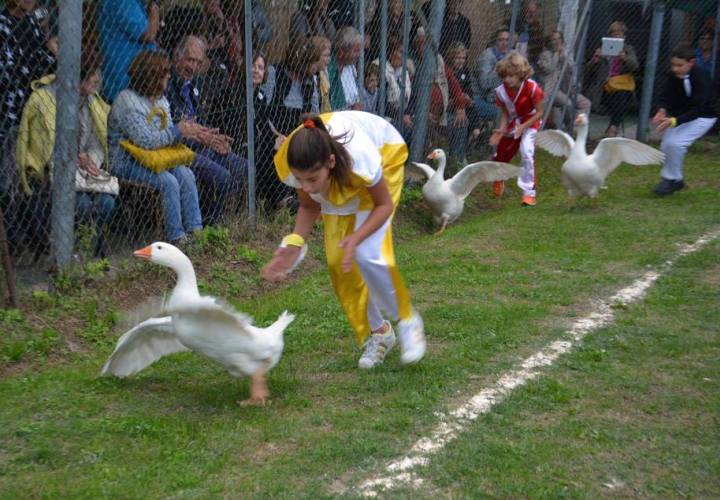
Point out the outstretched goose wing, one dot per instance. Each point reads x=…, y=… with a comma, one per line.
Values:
x=141, y=346
x=418, y=171
x=555, y=142
x=612, y=151
x=465, y=181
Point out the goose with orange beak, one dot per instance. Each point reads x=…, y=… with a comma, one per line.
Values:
x=446, y=197
x=202, y=324
x=583, y=174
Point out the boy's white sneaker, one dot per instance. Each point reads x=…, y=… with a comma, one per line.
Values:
x=412, y=339
x=376, y=347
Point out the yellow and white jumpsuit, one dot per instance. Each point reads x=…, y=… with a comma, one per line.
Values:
x=373, y=289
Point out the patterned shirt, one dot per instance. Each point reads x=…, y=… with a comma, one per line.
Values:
x=23, y=58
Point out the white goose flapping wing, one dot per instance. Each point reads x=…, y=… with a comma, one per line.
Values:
x=465, y=181
x=418, y=171
x=141, y=346
x=555, y=142
x=214, y=313
x=613, y=151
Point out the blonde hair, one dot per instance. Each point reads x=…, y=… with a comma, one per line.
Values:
x=514, y=64
x=321, y=43
x=619, y=26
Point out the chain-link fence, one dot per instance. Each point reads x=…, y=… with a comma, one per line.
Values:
x=126, y=121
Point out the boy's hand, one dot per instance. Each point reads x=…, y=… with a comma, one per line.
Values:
x=519, y=131
x=664, y=124
x=495, y=137
x=349, y=245
x=283, y=259
x=659, y=116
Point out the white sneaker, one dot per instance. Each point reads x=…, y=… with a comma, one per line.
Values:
x=376, y=347
x=412, y=339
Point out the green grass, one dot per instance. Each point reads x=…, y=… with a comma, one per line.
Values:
x=635, y=406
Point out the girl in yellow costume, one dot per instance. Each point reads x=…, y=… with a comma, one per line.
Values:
x=348, y=168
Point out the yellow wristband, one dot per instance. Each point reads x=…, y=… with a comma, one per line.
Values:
x=293, y=239
x=673, y=122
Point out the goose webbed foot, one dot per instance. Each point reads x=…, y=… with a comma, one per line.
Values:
x=259, y=393
x=442, y=228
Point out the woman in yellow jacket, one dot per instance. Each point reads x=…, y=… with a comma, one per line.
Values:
x=96, y=189
x=348, y=168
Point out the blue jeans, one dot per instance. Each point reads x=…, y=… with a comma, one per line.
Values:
x=457, y=139
x=178, y=190
x=218, y=176
x=485, y=110
x=94, y=208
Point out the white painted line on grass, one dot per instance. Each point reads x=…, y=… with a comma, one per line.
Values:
x=400, y=472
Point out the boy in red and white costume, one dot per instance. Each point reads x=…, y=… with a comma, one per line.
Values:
x=520, y=100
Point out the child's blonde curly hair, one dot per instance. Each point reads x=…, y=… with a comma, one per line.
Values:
x=514, y=64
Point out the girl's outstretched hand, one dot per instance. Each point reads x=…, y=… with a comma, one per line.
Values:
x=349, y=245
x=281, y=263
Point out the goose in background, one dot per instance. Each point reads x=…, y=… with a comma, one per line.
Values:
x=446, y=197
x=583, y=174
x=202, y=324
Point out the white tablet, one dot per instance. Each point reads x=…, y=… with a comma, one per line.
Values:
x=611, y=46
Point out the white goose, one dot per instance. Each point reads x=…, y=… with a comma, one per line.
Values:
x=446, y=197
x=583, y=174
x=201, y=324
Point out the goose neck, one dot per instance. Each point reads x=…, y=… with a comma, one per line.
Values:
x=186, y=280
x=580, y=142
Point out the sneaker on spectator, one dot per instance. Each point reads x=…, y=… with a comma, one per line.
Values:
x=376, y=347
x=412, y=339
x=498, y=188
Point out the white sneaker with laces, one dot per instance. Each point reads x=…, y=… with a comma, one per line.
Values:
x=412, y=339
x=376, y=347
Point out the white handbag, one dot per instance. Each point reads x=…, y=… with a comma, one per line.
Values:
x=102, y=183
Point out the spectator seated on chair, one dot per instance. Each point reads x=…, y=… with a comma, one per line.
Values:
x=296, y=91
x=141, y=115
x=446, y=98
x=26, y=54
x=457, y=64
x=218, y=171
x=598, y=72
x=393, y=79
x=94, y=200
x=486, y=78
x=548, y=74
x=344, y=92
x=370, y=91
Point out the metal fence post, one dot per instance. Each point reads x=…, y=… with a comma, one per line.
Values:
x=513, y=20
x=250, y=112
x=651, y=63
x=713, y=61
x=66, y=135
x=407, y=7
x=361, y=60
x=382, y=56
x=580, y=59
x=424, y=77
